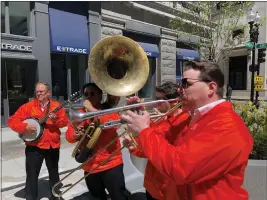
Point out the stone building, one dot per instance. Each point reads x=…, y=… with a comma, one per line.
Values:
x=51, y=41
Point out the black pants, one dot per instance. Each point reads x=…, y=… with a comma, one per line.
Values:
x=34, y=160
x=112, y=180
x=149, y=197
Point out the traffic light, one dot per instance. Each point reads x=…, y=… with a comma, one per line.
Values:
x=256, y=68
x=261, y=55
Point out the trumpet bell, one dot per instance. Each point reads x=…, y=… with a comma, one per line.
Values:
x=118, y=65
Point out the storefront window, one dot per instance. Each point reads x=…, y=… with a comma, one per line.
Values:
x=18, y=78
x=68, y=74
x=3, y=17
x=147, y=91
x=19, y=17
x=238, y=72
x=178, y=70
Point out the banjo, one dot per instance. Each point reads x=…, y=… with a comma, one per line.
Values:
x=40, y=123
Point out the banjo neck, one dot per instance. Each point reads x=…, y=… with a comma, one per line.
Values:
x=43, y=120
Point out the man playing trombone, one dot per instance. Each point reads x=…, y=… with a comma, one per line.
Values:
x=208, y=157
x=109, y=175
x=153, y=179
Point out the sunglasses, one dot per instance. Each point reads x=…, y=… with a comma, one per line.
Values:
x=186, y=84
x=87, y=94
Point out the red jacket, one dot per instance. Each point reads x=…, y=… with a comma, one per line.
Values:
x=154, y=181
x=206, y=162
x=105, y=137
x=51, y=135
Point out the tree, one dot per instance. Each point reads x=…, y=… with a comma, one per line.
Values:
x=218, y=26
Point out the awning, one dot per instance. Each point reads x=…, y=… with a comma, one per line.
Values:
x=68, y=32
x=151, y=50
x=187, y=54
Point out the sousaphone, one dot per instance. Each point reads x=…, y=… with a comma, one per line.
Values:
x=118, y=65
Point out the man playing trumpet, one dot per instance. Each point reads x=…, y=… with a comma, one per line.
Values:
x=109, y=175
x=207, y=158
x=153, y=180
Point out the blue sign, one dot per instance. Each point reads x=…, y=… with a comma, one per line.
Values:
x=68, y=32
x=71, y=50
x=151, y=50
x=187, y=54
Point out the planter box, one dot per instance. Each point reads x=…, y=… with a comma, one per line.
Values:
x=256, y=179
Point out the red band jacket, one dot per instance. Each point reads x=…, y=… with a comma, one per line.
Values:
x=51, y=135
x=205, y=162
x=154, y=181
x=106, y=136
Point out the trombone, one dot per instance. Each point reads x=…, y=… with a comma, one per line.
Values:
x=78, y=116
x=107, y=125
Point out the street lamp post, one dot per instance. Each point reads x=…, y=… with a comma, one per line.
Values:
x=254, y=32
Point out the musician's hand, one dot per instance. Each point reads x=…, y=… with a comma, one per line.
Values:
x=134, y=100
x=79, y=131
x=53, y=116
x=30, y=129
x=136, y=123
x=128, y=142
x=87, y=104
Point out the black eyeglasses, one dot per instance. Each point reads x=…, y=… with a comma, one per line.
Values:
x=87, y=94
x=186, y=84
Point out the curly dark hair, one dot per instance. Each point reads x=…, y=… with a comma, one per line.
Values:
x=169, y=88
x=93, y=85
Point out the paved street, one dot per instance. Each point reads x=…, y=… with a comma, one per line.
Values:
x=13, y=171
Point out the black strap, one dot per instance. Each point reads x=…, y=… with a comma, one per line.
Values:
x=43, y=120
x=48, y=107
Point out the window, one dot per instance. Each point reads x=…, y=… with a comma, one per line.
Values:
x=238, y=72
x=178, y=70
x=147, y=91
x=238, y=33
x=68, y=74
x=3, y=30
x=19, y=18
x=18, y=79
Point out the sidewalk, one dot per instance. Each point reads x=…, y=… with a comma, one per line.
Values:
x=14, y=175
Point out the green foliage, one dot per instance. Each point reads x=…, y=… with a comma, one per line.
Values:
x=256, y=120
x=214, y=23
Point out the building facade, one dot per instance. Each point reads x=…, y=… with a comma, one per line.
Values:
x=236, y=67
x=51, y=41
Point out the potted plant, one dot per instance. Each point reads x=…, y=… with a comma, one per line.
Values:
x=256, y=172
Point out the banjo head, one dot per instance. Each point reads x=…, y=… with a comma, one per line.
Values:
x=30, y=137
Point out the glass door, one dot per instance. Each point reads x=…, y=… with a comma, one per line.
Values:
x=18, y=78
x=68, y=74
x=4, y=97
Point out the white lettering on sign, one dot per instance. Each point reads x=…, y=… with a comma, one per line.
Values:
x=71, y=50
x=188, y=58
x=148, y=53
x=16, y=47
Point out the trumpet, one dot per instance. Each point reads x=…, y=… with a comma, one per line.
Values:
x=111, y=124
x=78, y=116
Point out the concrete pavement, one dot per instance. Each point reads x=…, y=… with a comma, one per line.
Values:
x=13, y=170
